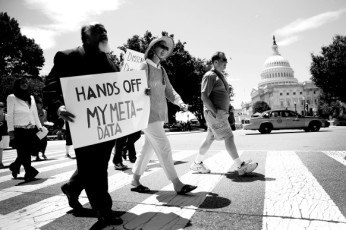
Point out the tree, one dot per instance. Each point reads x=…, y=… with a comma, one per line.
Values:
x=329, y=70
x=334, y=109
x=19, y=57
x=260, y=106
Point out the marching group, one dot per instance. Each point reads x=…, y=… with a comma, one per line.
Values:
x=25, y=117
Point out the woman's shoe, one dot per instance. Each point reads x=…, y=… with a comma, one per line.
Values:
x=133, y=160
x=186, y=189
x=44, y=156
x=120, y=166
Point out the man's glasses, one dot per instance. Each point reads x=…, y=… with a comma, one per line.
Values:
x=162, y=46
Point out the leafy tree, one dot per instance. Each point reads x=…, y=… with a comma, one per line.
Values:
x=329, y=70
x=333, y=108
x=19, y=57
x=260, y=106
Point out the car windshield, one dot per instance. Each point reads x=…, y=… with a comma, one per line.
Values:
x=265, y=114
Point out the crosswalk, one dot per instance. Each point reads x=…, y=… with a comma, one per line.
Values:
x=288, y=191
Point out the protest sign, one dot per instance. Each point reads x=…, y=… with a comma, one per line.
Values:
x=107, y=106
x=132, y=60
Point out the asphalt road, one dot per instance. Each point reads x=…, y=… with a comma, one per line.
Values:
x=300, y=183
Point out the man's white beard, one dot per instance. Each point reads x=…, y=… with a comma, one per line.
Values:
x=104, y=47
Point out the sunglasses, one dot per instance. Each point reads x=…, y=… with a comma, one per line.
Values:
x=223, y=59
x=162, y=46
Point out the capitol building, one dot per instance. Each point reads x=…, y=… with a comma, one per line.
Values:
x=281, y=90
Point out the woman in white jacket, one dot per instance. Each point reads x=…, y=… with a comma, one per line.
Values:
x=23, y=123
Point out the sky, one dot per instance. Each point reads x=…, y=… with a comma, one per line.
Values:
x=242, y=29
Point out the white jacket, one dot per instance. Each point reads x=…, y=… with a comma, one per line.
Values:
x=20, y=114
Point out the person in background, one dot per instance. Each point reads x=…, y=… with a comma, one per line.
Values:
x=122, y=146
x=42, y=144
x=155, y=137
x=3, y=132
x=215, y=97
x=23, y=123
x=68, y=141
x=231, y=118
x=92, y=160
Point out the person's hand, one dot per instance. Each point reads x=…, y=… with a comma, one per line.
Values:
x=65, y=115
x=184, y=107
x=147, y=91
x=11, y=134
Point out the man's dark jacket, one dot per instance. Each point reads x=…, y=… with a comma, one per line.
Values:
x=73, y=62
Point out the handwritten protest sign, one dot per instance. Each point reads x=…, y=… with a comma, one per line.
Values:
x=132, y=60
x=107, y=106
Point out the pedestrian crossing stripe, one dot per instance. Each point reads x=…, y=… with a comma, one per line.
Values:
x=339, y=156
x=54, y=207
x=179, y=208
x=294, y=200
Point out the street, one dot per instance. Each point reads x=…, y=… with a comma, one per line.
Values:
x=300, y=183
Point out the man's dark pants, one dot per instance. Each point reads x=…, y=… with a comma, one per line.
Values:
x=91, y=175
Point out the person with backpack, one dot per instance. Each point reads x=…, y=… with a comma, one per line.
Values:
x=215, y=97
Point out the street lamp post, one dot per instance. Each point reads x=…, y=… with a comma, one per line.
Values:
x=295, y=106
x=304, y=106
x=307, y=109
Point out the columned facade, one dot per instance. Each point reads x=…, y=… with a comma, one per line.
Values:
x=281, y=90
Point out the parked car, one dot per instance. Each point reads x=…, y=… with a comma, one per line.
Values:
x=285, y=119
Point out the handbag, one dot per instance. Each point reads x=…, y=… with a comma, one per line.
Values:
x=3, y=127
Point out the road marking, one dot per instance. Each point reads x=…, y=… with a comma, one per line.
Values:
x=295, y=199
x=339, y=156
x=45, y=211
x=43, y=169
x=35, y=163
x=167, y=210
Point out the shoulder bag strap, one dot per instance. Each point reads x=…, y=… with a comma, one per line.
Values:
x=222, y=79
x=148, y=74
x=163, y=77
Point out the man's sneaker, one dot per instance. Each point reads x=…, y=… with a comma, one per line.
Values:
x=120, y=166
x=199, y=167
x=247, y=167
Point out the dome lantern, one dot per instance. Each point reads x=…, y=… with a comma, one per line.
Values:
x=275, y=47
x=276, y=70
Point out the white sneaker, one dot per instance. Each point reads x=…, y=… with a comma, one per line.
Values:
x=199, y=167
x=247, y=167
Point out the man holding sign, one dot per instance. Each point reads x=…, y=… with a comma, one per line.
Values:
x=92, y=160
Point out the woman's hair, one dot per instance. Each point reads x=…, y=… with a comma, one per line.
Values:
x=151, y=51
x=18, y=92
